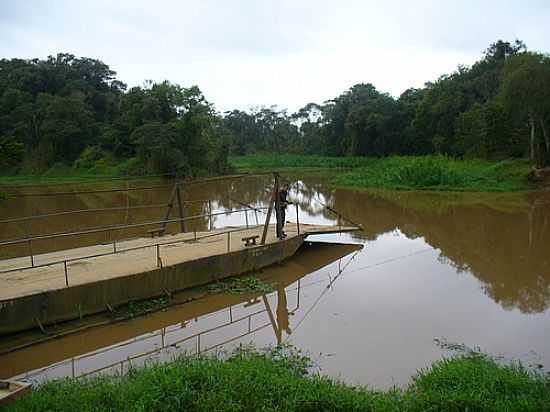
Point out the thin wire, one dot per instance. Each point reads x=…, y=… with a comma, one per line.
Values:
x=124, y=189
x=352, y=271
x=88, y=180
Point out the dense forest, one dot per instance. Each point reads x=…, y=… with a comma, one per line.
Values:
x=498, y=108
x=73, y=112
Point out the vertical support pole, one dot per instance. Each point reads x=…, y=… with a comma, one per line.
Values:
x=199, y=343
x=228, y=241
x=66, y=273
x=30, y=253
x=114, y=245
x=274, y=195
x=298, y=303
x=297, y=218
x=246, y=217
x=209, y=215
x=230, y=314
x=180, y=207
x=159, y=260
x=256, y=214
x=249, y=323
x=170, y=204
x=278, y=212
x=72, y=367
x=195, y=235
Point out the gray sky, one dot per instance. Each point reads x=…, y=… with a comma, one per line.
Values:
x=289, y=53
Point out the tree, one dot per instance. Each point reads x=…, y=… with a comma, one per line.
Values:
x=526, y=95
x=11, y=152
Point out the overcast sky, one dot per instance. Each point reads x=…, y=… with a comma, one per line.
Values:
x=289, y=53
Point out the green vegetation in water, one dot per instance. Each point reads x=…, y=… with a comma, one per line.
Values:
x=277, y=380
x=440, y=173
x=404, y=172
x=133, y=309
x=241, y=285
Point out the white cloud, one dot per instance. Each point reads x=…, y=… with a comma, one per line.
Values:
x=282, y=52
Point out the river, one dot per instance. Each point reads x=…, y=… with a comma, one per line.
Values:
x=427, y=268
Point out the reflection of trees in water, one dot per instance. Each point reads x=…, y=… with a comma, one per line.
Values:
x=503, y=241
x=507, y=250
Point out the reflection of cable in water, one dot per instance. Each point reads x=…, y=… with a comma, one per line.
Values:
x=383, y=262
x=323, y=293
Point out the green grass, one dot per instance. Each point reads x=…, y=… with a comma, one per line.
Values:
x=439, y=173
x=276, y=380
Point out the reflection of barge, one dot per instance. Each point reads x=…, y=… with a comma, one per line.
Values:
x=120, y=345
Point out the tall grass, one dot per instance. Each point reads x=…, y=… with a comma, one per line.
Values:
x=275, y=381
x=404, y=172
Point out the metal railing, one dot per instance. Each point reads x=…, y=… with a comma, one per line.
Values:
x=115, y=250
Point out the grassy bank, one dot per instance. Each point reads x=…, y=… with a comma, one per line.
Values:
x=270, y=381
x=60, y=173
x=409, y=172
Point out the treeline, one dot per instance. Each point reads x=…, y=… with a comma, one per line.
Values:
x=73, y=112
x=497, y=108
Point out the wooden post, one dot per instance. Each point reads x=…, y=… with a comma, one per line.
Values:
x=274, y=196
x=66, y=273
x=30, y=253
x=246, y=217
x=159, y=260
x=170, y=205
x=180, y=207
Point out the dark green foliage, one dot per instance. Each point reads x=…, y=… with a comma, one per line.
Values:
x=57, y=108
x=72, y=111
x=496, y=109
x=276, y=380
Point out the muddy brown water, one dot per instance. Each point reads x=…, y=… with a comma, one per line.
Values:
x=470, y=269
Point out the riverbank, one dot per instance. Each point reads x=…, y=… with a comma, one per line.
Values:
x=437, y=173
x=249, y=380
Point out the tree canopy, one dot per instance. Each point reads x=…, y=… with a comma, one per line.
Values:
x=74, y=111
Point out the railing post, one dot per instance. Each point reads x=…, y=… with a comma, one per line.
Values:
x=114, y=245
x=66, y=273
x=297, y=218
x=30, y=253
x=228, y=241
x=159, y=260
x=246, y=217
x=209, y=215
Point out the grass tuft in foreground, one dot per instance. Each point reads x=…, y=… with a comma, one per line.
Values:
x=249, y=380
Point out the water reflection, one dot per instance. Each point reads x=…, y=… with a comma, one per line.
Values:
x=501, y=239
x=462, y=266
x=199, y=322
